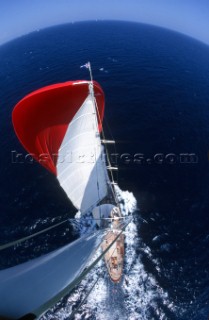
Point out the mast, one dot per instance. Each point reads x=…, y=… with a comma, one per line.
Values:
x=90, y=71
x=109, y=166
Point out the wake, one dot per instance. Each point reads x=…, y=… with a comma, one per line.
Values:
x=137, y=297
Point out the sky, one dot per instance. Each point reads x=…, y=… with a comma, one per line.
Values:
x=19, y=17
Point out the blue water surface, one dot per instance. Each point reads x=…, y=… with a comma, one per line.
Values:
x=156, y=84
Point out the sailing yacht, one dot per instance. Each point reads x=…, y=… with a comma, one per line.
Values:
x=61, y=127
x=115, y=255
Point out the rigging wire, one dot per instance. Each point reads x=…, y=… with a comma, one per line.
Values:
x=110, y=132
x=19, y=241
x=96, y=125
x=43, y=308
x=103, y=135
x=13, y=243
x=83, y=301
x=107, y=154
x=88, y=292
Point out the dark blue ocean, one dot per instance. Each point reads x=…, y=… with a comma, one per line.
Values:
x=156, y=84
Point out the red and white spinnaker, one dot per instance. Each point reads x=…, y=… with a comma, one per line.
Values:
x=60, y=125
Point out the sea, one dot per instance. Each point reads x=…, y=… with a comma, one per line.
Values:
x=156, y=85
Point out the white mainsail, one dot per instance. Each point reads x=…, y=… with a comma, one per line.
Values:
x=27, y=286
x=81, y=169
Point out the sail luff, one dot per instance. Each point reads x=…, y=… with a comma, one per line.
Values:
x=109, y=167
x=91, y=90
x=98, y=117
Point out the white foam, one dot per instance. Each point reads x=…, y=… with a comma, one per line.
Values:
x=136, y=295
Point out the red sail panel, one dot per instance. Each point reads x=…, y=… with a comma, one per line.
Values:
x=41, y=118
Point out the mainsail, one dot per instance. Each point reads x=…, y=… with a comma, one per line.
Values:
x=81, y=170
x=59, y=125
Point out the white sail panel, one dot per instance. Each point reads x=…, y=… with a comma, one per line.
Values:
x=27, y=286
x=102, y=211
x=81, y=169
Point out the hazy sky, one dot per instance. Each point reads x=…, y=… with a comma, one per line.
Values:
x=18, y=17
